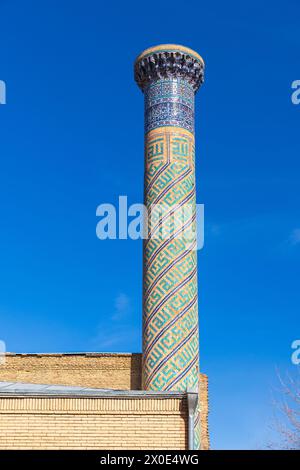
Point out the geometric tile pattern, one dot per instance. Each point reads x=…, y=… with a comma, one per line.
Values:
x=170, y=322
x=170, y=303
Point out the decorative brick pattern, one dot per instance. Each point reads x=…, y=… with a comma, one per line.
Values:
x=170, y=337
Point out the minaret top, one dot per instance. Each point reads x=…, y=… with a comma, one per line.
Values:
x=169, y=61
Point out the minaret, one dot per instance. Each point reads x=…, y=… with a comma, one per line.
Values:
x=170, y=75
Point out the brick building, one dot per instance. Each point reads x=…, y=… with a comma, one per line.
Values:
x=91, y=401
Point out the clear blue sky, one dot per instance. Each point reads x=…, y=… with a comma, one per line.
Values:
x=72, y=138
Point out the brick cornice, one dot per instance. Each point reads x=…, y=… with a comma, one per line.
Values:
x=64, y=405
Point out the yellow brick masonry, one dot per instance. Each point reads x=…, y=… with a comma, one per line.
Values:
x=116, y=371
x=93, y=423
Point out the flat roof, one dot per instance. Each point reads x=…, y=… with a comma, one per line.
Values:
x=19, y=389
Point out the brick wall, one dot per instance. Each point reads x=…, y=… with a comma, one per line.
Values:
x=204, y=409
x=115, y=371
x=93, y=423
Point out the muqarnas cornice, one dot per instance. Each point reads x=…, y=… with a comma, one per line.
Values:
x=169, y=61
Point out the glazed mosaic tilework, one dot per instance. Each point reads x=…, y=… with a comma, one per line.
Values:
x=169, y=79
x=169, y=102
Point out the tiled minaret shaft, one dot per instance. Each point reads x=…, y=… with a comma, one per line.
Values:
x=169, y=76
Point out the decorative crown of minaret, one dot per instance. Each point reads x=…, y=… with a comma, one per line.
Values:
x=169, y=61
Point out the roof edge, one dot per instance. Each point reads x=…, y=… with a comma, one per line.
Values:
x=22, y=389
